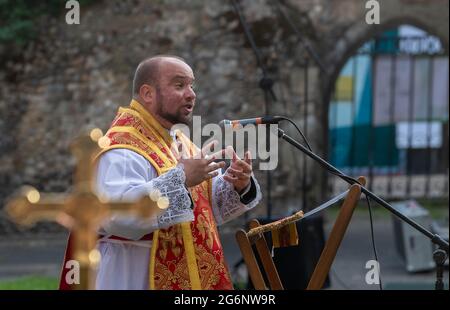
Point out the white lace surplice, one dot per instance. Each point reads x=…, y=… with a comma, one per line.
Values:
x=125, y=175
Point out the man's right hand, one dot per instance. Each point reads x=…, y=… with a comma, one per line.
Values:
x=200, y=169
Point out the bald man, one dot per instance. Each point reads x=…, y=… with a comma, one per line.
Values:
x=181, y=248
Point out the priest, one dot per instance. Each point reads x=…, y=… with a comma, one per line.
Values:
x=179, y=249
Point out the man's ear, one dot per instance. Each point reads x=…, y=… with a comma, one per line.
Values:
x=146, y=92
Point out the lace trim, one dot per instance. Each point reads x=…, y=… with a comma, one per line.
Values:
x=171, y=185
x=258, y=197
x=228, y=201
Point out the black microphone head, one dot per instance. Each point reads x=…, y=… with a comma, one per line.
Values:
x=272, y=119
x=279, y=118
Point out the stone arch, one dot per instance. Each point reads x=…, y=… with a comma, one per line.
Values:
x=360, y=33
x=348, y=44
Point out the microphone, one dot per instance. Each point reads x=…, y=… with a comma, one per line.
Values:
x=254, y=121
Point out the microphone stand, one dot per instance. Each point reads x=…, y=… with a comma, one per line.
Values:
x=439, y=256
x=302, y=41
x=265, y=84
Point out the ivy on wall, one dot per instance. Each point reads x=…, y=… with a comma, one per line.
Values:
x=18, y=17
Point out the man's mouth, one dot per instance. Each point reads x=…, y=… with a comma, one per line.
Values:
x=188, y=108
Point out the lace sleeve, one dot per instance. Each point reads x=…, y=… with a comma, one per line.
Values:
x=226, y=201
x=124, y=176
x=171, y=185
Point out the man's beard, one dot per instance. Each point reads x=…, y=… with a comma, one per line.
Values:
x=175, y=118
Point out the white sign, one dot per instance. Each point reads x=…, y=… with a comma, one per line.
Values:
x=418, y=135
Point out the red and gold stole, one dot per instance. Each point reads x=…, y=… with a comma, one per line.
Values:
x=187, y=255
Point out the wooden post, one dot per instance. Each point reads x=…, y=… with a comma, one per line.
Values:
x=250, y=260
x=266, y=259
x=335, y=238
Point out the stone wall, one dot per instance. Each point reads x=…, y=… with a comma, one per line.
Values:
x=75, y=76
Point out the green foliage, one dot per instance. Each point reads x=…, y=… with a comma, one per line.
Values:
x=30, y=283
x=18, y=17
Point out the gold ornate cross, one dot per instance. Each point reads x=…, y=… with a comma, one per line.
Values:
x=82, y=210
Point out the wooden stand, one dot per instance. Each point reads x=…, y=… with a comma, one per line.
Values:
x=247, y=239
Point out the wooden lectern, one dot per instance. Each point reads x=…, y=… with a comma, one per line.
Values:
x=255, y=237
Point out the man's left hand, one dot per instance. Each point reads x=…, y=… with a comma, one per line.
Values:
x=239, y=172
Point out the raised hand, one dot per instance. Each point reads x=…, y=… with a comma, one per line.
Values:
x=200, y=169
x=239, y=172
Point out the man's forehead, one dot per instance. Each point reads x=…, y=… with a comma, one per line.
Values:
x=173, y=68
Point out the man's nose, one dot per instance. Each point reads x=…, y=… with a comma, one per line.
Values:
x=190, y=94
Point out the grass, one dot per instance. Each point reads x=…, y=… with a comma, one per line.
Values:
x=30, y=283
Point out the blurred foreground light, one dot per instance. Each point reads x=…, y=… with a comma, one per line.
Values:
x=155, y=195
x=33, y=195
x=104, y=142
x=94, y=257
x=96, y=134
x=163, y=203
